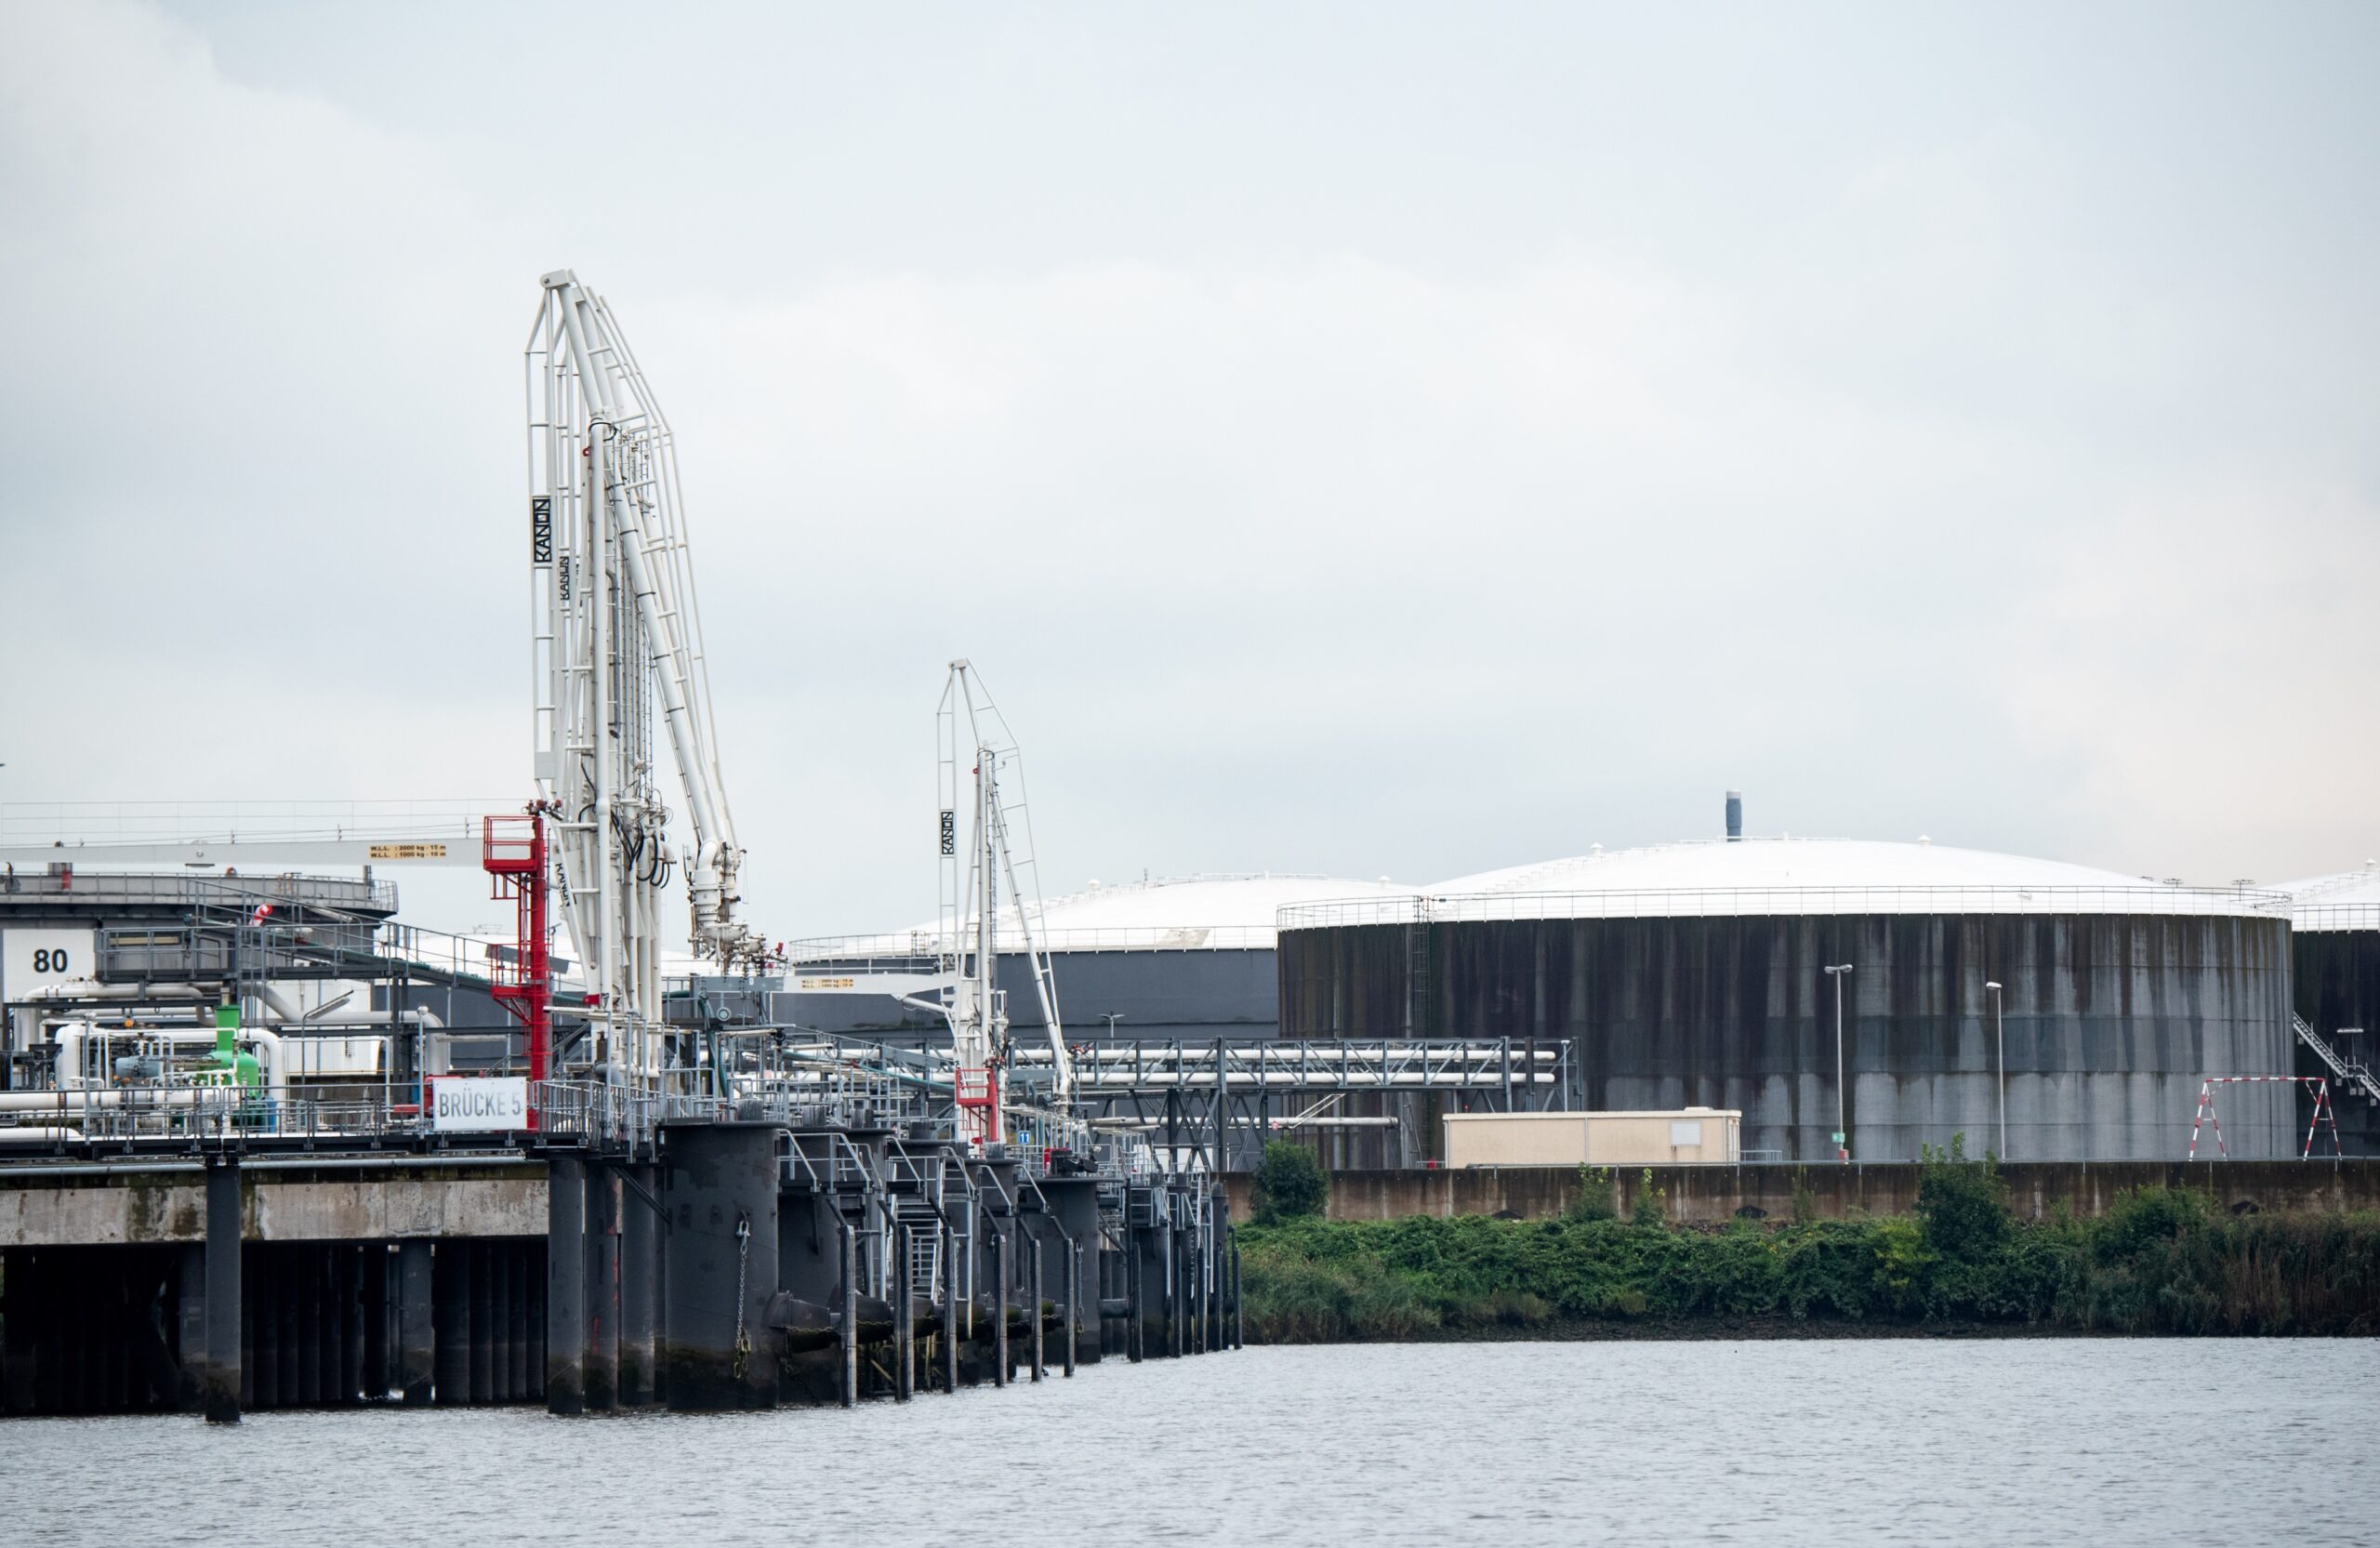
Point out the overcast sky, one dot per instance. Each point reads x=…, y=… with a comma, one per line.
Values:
x=1363, y=439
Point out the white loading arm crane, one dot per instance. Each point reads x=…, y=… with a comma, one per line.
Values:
x=618, y=645
x=978, y=753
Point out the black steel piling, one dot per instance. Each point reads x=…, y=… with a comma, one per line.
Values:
x=224, y=1364
x=566, y=1286
x=905, y=1317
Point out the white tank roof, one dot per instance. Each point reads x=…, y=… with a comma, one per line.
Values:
x=1794, y=876
x=1210, y=913
x=2345, y=900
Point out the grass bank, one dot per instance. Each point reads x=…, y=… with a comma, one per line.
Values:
x=2161, y=1261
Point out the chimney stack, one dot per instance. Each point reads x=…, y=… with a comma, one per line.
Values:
x=1734, y=816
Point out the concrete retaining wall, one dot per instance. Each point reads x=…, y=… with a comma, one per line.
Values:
x=1713, y=1194
x=293, y=1205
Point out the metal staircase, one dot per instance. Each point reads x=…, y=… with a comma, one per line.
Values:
x=2352, y=1074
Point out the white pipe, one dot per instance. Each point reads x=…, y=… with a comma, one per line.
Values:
x=92, y=988
x=70, y=1103
x=38, y=1135
x=72, y=1037
x=415, y=1017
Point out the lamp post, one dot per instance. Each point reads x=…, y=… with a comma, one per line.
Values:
x=2000, y=1041
x=1842, y=1118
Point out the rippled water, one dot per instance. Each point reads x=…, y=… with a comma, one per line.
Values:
x=1869, y=1441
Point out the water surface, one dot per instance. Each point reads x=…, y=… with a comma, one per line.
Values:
x=2033, y=1441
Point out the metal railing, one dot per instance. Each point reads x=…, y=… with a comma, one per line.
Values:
x=920, y=951
x=168, y=891
x=2335, y=916
x=1661, y=902
x=107, y=1113
x=1286, y=1064
x=98, y=824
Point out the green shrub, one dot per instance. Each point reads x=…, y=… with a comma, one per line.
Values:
x=1288, y=1182
x=2160, y=1261
x=1961, y=1205
x=1596, y=1198
x=1651, y=1202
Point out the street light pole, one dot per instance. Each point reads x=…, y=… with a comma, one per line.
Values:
x=1842, y=1109
x=2000, y=1040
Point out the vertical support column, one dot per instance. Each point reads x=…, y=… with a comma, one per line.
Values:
x=313, y=1290
x=949, y=1309
x=1035, y=1292
x=721, y=1181
x=905, y=1316
x=372, y=1271
x=519, y=1349
x=640, y=1287
x=222, y=1380
x=499, y=1323
x=1074, y=1303
x=415, y=1333
x=189, y=1329
x=353, y=1264
x=1195, y=1269
x=1175, y=1281
x=479, y=1286
x=1135, y=1322
x=1000, y=1370
x=847, y=1315
x=1238, y=1307
x=602, y=1286
x=1218, y=1235
x=566, y=1284
x=18, y=1367
x=451, y=1318
x=1074, y=1239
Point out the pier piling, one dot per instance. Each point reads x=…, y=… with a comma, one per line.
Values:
x=566, y=1287
x=905, y=1316
x=223, y=1365
x=640, y=1284
x=415, y=1372
x=1039, y=1317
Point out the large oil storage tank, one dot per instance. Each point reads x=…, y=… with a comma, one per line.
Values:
x=1173, y=957
x=1693, y=975
x=2334, y=951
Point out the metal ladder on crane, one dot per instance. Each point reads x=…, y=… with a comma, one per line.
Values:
x=2353, y=1074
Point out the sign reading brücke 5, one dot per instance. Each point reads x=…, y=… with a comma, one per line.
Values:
x=480, y=1104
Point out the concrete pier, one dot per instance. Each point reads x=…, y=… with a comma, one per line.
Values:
x=231, y=1284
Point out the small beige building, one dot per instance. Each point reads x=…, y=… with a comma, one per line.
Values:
x=1706, y=1134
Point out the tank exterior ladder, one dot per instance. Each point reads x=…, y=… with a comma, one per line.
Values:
x=2354, y=1073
